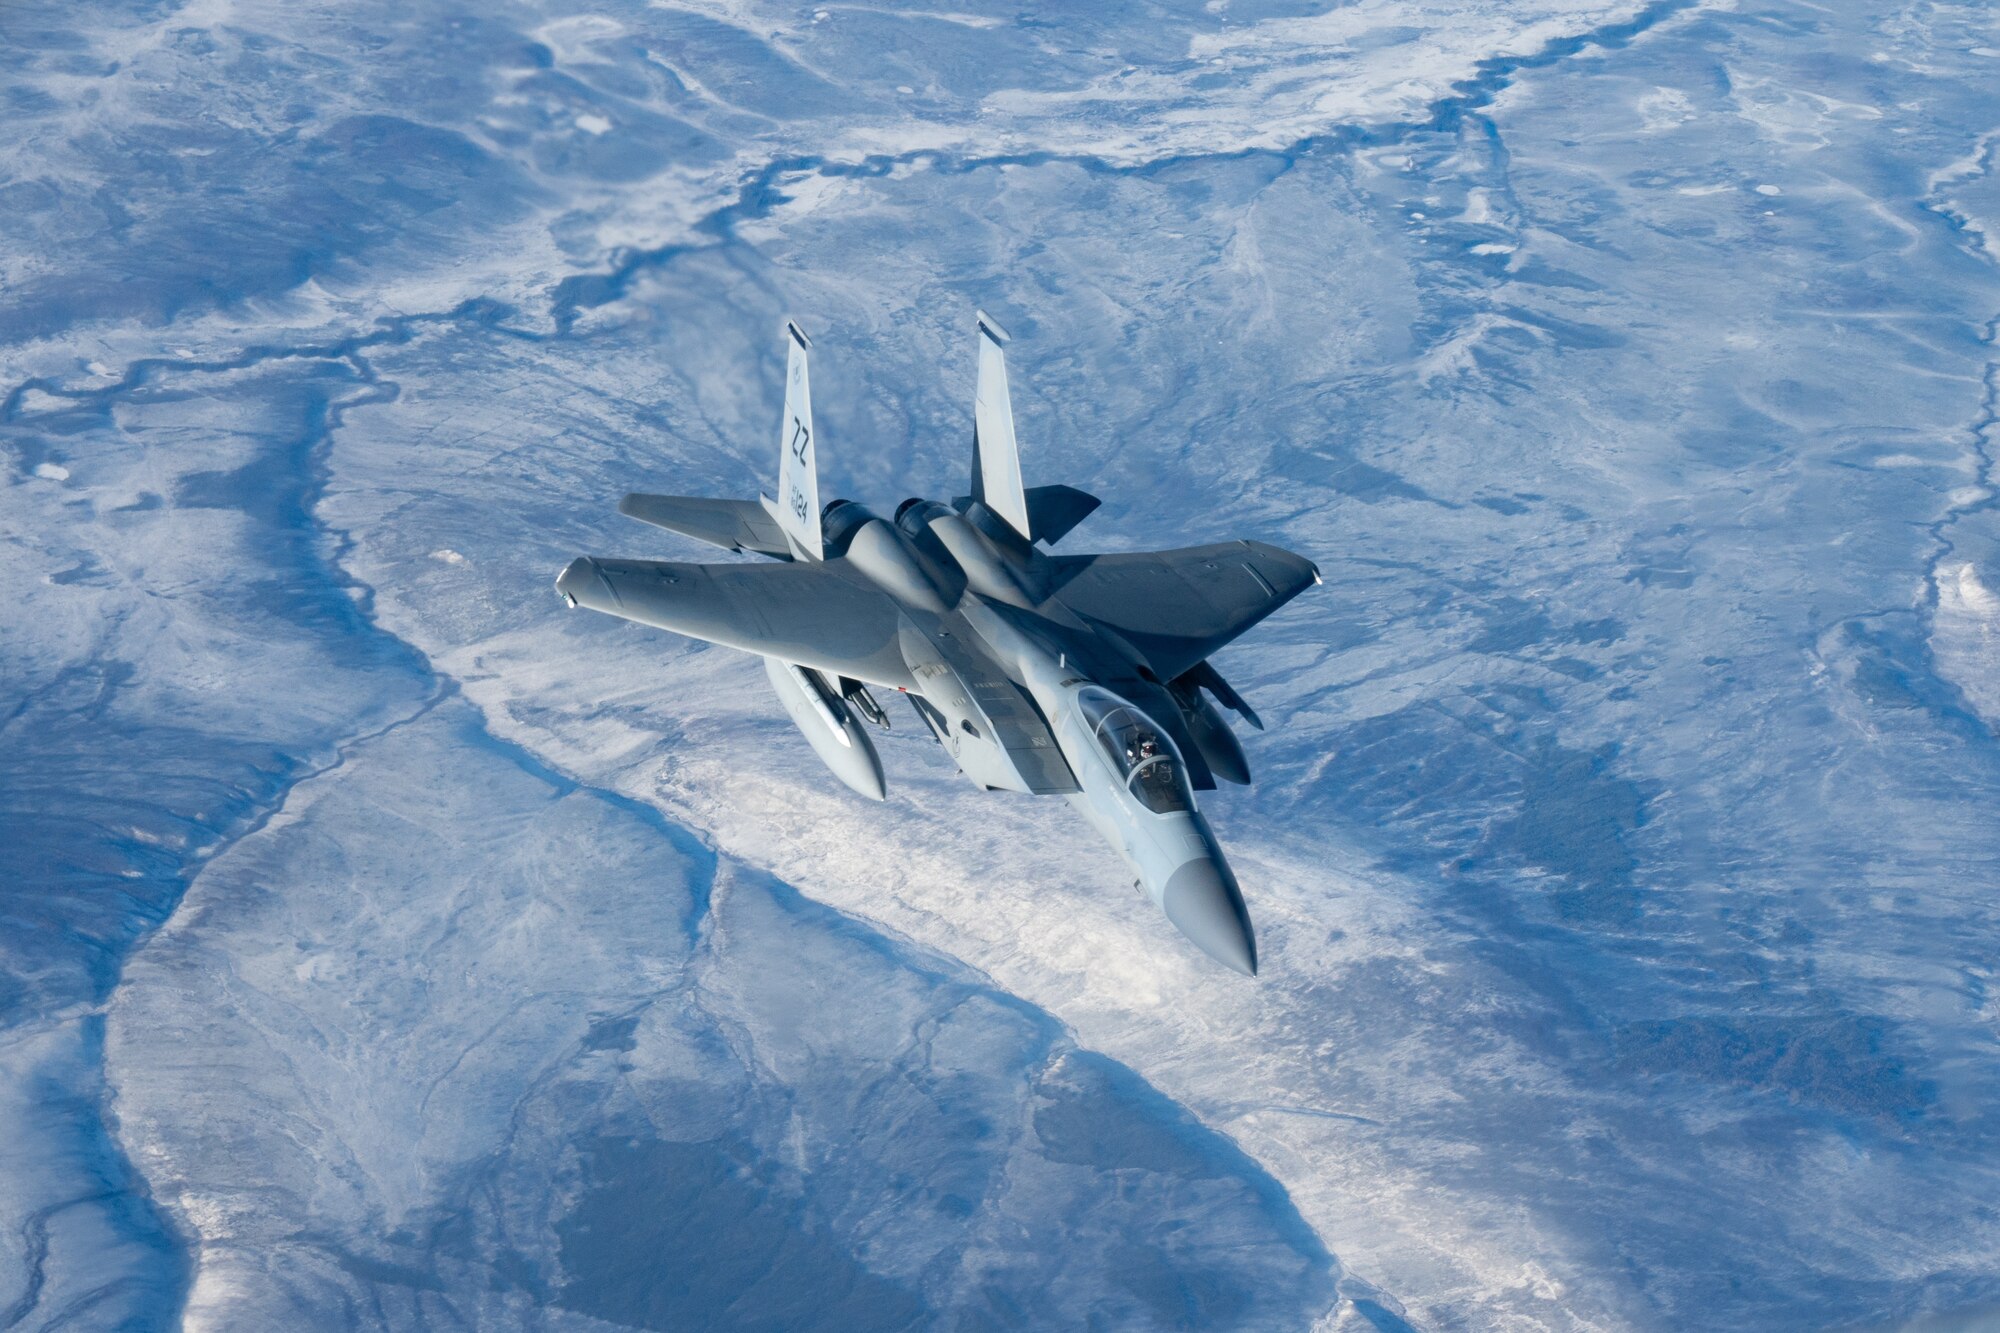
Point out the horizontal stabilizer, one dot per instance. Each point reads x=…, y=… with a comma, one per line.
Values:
x=734, y=525
x=1053, y=511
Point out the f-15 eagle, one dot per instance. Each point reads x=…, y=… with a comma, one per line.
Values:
x=1083, y=676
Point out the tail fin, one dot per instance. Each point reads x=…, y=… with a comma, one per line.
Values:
x=797, y=507
x=996, y=459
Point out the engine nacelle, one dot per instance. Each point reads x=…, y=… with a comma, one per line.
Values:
x=985, y=572
x=876, y=550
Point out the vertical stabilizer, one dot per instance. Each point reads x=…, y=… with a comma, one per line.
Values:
x=996, y=460
x=798, y=472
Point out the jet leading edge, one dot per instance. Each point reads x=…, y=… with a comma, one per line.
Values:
x=1085, y=676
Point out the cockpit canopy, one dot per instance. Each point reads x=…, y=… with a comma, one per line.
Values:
x=1139, y=749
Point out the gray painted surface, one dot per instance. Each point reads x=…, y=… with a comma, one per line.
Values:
x=1052, y=675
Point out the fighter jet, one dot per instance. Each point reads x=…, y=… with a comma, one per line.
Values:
x=1083, y=676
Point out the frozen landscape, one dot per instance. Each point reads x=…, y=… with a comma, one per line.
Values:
x=386, y=947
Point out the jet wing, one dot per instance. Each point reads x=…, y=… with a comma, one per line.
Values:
x=798, y=612
x=1177, y=607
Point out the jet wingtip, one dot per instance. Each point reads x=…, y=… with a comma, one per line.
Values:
x=564, y=581
x=576, y=576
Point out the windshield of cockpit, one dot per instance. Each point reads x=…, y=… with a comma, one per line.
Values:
x=1139, y=750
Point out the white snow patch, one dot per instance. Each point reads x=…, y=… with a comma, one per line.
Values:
x=447, y=556
x=573, y=39
x=1453, y=356
x=1965, y=635
x=1363, y=63
x=1664, y=108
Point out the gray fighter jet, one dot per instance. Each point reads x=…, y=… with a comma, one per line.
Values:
x=1085, y=676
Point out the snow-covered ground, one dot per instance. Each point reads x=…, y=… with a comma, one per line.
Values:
x=389, y=947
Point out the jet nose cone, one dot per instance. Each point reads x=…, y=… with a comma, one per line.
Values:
x=1204, y=904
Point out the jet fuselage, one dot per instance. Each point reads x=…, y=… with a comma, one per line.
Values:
x=988, y=636
x=1085, y=676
